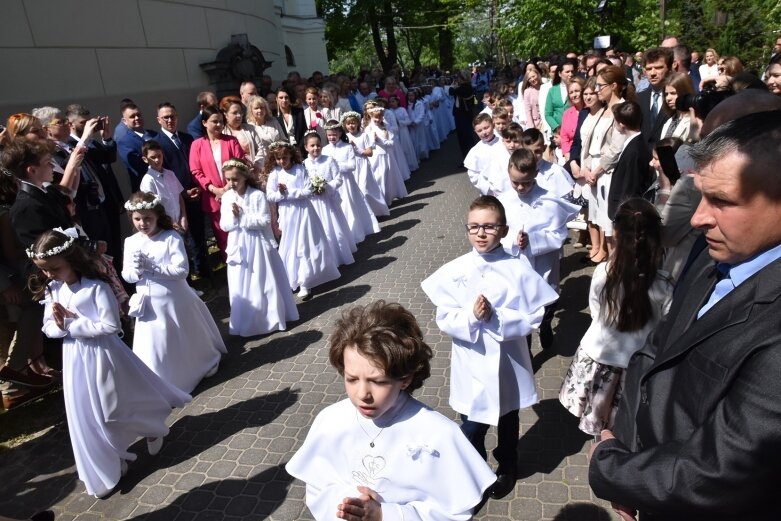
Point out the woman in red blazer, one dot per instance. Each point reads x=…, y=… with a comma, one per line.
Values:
x=206, y=153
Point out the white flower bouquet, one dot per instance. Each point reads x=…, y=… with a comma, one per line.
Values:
x=318, y=184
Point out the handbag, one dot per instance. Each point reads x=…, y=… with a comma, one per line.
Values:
x=138, y=302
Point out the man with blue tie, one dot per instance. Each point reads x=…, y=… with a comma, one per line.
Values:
x=130, y=136
x=698, y=429
x=204, y=99
x=176, y=154
x=657, y=64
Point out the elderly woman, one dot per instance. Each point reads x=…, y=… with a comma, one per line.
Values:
x=265, y=126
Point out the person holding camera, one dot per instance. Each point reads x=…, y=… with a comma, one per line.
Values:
x=98, y=197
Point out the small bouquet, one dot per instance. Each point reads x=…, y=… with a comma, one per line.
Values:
x=318, y=184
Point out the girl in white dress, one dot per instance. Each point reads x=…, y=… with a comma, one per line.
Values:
x=395, y=151
x=326, y=180
x=380, y=453
x=308, y=257
x=175, y=334
x=260, y=296
x=402, y=118
x=380, y=140
x=111, y=397
x=351, y=122
x=359, y=216
x=417, y=115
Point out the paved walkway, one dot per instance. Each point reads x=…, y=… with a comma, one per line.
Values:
x=224, y=458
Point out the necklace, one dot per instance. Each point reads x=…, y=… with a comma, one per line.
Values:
x=372, y=440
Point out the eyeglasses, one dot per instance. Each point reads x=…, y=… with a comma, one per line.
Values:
x=489, y=229
x=600, y=86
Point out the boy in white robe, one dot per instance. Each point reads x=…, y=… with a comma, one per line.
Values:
x=512, y=140
x=479, y=157
x=381, y=454
x=537, y=226
x=489, y=301
x=550, y=176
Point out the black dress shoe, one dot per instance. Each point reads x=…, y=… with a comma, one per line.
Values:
x=505, y=483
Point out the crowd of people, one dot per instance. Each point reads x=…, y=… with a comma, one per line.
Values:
x=628, y=155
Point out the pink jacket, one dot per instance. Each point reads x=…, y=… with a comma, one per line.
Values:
x=204, y=170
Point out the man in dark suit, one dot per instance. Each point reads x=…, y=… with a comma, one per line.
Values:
x=99, y=200
x=657, y=63
x=130, y=137
x=176, y=157
x=682, y=62
x=204, y=99
x=631, y=176
x=703, y=438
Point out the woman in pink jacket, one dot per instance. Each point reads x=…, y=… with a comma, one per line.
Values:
x=207, y=154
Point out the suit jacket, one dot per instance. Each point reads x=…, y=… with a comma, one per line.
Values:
x=195, y=127
x=204, y=170
x=299, y=126
x=702, y=406
x=651, y=133
x=176, y=160
x=35, y=211
x=129, y=147
x=631, y=176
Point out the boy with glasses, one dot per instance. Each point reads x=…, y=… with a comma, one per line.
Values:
x=488, y=301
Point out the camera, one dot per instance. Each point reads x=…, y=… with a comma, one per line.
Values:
x=99, y=125
x=703, y=102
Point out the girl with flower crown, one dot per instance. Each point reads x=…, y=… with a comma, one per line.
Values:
x=260, y=297
x=175, y=334
x=356, y=209
x=306, y=253
x=362, y=150
x=111, y=397
x=381, y=140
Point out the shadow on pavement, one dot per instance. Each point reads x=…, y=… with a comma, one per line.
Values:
x=552, y=438
x=37, y=474
x=228, y=498
x=194, y=439
x=582, y=512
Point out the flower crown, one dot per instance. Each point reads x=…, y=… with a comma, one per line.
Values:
x=280, y=144
x=350, y=114
x=71, y=235
x=310, y=132
x=235, y=163
x=375, y=109
x=334, y=125
x=143, y=205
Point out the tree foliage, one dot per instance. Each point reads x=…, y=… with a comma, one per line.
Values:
x=455, y=33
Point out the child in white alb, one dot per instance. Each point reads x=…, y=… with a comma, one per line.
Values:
x=260, y=297
x=356, y=209
x=382, y=454
x=111, y=397
x=479, y=157
x=155, y=260
x=308, y=258
x=362, y=150
x=326, y=180
x=489, y=301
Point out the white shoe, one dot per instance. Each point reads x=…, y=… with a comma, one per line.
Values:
x=212, y=371
x=303, y=292
x=123, y=468
x=153, y=445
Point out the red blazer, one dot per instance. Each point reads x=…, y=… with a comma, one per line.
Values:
x=204, y=170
